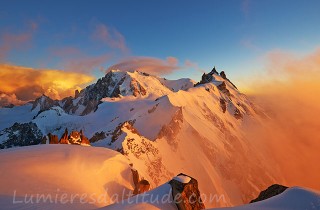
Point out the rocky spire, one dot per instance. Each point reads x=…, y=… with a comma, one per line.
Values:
x=84, y=139
x=64, y=138
x=76, y=93
x=223, y=75
x=44, y=102
x=53, y=139
x=214, y=71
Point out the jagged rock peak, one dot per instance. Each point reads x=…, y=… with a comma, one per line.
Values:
x=206, y=78
x=75, y=137
x=64, y=139
x=223, y=75
x=214, y=71
x=212, y=76
x=21, y=134
x=44, y=102
x=114, y=84
x=76, y=93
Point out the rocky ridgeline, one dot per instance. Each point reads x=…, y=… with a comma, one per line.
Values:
x=206, y=78
x=89, y=97
x=111, y=85
x=21, y=134
x=75, y=137
x=107, y=86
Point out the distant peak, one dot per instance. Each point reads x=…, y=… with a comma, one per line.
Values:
x=115, y=70
x=214, y=71
x=214, y=75
x=45, y=102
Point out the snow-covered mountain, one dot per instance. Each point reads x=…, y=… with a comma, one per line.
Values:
x=163, y=127
x=117, y=83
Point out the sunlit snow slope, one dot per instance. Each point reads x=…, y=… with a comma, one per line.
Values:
x=69, y=176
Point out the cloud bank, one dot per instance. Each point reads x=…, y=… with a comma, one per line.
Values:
x=289, y=91
x=21, y=84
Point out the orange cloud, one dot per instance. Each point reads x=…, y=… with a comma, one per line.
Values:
x=149, y=65
x=8, y=99
x=28, y=83
x=289, y=91
x=288, y=64
x=110, y=37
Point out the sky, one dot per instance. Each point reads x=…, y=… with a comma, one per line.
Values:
x=173, y=39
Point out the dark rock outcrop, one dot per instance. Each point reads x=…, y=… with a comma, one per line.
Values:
x=237, y=114
x=137, y=89
x=67, y=105
x=118, y=130
x=64, y=139
x=90, y=107
x=142, y=185
x=135, y=176
x=186, y=194
x=76, y=93
x=75, y=137
x=213, y=71
x=171, y=130
x=271, y=191
x=44, y=103
x=9, y=106
x=44, y=140
x=84, y=139
x=223, y=75
x=53, y=139
x=223, y=105
x=26, y=134
x=223, y=88
x=153, y=108
x=206, y=78
x=21, y=134
x=98, y=136
x=107, y=86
